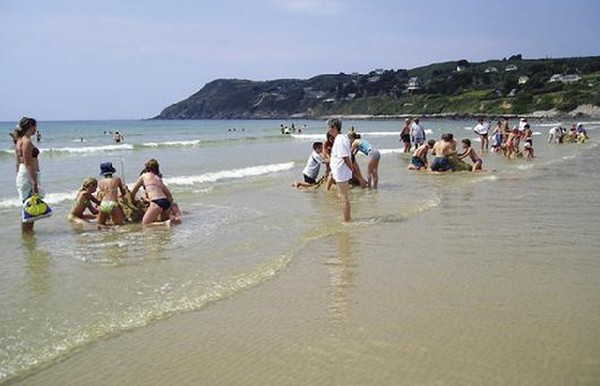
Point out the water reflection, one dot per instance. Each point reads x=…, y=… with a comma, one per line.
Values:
x=37, y=266
x=342, y=271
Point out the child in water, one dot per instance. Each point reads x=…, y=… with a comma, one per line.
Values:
x=311, y=170
x=85, y=200
x=161, y=206
x=468, y=151
x=419, y=157
x=109, y=190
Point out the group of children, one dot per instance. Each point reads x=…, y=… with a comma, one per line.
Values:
x=446, y=156
x=114, y=199
x=559, y=134
x=321, y=154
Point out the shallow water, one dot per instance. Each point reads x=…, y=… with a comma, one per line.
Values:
x=442, y=272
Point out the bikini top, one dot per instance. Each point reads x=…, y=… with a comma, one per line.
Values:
x=35, y=152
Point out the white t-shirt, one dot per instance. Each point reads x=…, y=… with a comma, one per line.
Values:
x=341, y=148
x=313, y=165
x=482, y=128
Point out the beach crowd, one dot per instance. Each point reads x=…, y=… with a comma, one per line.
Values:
x=338, y=152
x=109, y=201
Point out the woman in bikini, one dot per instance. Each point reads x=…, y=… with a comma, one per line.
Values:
x=27, y=166
x=159, y=196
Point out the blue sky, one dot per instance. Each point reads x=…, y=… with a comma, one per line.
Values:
x=112, y=59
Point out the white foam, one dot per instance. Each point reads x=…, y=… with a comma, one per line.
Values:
x=88, y=149
x=428, y=131
x=229, y=174
x=50, y=198
x=390, y=151
x=311, y=137
x=172, y=143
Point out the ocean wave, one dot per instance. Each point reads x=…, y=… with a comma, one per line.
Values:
x=229, y=174
x=50, y=198
x=390, y=151
x=312, y=137
x=172, y=143
x=88, y=149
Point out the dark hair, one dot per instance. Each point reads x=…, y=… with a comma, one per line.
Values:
x=24, y=124
x=353, y=135
x=317, y=145
x=467, y=142
x=431, y=142
x=334, y=123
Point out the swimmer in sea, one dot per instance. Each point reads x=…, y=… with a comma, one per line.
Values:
x=85, y=200
x=468, y=151
x=109, y=190
x=158, y=195
x=419, y=157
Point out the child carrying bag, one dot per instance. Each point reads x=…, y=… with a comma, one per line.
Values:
x=34, y=208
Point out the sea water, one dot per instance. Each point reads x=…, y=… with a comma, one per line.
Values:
x=68, y=287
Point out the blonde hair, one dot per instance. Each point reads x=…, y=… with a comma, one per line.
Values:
x=89, y=182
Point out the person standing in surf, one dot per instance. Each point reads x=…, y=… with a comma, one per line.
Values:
x=341, y=164
x=27, y=164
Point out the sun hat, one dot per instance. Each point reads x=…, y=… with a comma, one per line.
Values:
x=107, y=168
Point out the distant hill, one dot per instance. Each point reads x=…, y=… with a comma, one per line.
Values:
x=506, y=86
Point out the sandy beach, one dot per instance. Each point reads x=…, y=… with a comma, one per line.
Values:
x=467, y=292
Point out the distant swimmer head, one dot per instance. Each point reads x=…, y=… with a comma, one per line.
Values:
x=107, y=169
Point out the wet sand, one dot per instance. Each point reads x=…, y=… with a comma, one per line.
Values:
x=406, y=302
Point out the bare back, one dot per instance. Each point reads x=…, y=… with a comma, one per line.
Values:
x=109, y=188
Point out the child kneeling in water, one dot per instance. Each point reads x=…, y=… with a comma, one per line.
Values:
x=419, y=157
x=470, y=152
x=109, y=190
x=162, y=207
x=311, y=170
x=85, y=200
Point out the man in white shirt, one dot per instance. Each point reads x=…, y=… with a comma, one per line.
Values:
x=417, y=133
x=341, y=163
x=481, y=129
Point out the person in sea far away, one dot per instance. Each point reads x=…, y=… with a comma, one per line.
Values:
x=341, y=164
x=118, y=137
x=468, y=151
x=27, y=166
x=38, y=136
x=373, y=157
x=417, y=133
x=405, y=135
x=158, y=195
x=419, y=157
x=311, y=170
x=481, y=129
x=442, y=150
x=109, y=190
x=85, y=200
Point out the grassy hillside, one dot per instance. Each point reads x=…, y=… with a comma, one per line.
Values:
x=507, y=86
